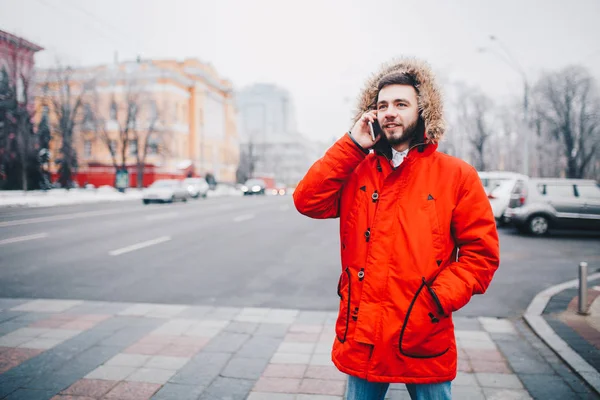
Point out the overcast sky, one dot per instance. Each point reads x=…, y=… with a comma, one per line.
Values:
x=321, y=51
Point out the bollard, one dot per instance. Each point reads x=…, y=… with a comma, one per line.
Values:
x=582, y=306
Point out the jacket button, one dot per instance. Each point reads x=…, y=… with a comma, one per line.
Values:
x=361, y=274
x=375, y=196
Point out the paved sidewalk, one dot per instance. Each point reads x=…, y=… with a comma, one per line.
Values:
x=580, y=332
x=63, y=349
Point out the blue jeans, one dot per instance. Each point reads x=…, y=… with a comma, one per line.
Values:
x=360, y=389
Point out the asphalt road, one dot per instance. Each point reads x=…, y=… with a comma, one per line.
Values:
x=235, y=251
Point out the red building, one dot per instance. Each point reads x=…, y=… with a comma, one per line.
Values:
x=16, y=56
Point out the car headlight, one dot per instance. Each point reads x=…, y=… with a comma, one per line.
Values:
x=281, y=192
x=244, y=188
x=256, y=188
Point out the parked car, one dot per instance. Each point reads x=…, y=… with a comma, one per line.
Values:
x=538, y=205
x=499, y=198
x=254, y=186
x=196, y=187
x=492, y=179
x=165, y=191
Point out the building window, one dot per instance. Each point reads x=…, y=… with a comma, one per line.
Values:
x=133, y=147
x=153, y=147
x=113, y=110
x=87, y=149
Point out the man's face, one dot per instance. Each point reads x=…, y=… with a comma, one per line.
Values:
x=397, y=113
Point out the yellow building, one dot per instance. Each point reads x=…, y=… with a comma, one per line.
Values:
x=180, y=113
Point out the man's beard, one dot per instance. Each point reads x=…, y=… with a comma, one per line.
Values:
x=408, y=135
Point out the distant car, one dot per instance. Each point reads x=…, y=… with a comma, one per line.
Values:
x=540, y=204
x=279, y=189
x=165, y=191
x=196, y=187
x=499, y=198
x=254, y=186
x=492, y=179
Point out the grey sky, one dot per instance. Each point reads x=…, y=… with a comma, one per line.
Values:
x=321, y=51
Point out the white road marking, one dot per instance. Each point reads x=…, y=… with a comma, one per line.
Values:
x=245, y=217
x=161, y=216
x=138, y=246
x=23, y=238
x=61, y=217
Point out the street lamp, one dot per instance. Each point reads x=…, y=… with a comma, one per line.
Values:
x=507, y=57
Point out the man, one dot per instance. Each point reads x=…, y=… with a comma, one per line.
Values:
x=417, y=234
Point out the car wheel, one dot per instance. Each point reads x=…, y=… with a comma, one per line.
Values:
x=146, y=202
x=184, y=199
x=538, y=225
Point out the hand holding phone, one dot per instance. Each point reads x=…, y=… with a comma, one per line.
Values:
x=366, y=130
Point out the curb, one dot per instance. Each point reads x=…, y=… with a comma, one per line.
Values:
x=533, y=317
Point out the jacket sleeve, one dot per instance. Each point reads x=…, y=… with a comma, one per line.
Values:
x=318, y=193
x=474, y=230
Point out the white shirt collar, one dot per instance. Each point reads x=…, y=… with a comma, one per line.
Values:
x=398, y=157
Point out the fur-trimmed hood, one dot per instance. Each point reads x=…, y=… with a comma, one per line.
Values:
x=429, y=94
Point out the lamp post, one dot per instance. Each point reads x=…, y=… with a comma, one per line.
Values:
x=507, y=57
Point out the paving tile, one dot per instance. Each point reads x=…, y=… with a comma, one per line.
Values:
x=41, y=343
x=497, y=325
x=285, y=371
x=506, y=394
x=285, y=358
x=138, y=310
x=60, y=334
x=228, y=388
x=298, y=328
x=133, y=391
x=128, y=360
x=490, y=366
x=196, y=312
x=245, y=368
x=483, y=354
x=475, y=344
x=226, y=342
x=69, y=397
x=272, y=330
x=241, y=327
x=467, y=393
x=172, y=391
x=466, y=324
x=111, y=373
x=311, y=317
x=164, y=362
x=400, y=395
x=13, y=341
x=465, y=379
x=323, y=348
x=166, y=311
x=321, y=386
x=27, y=394
x=223, y=313
x=146, y=349
x=11, y=357
x=90, y=387
x=30, y=332
x=271, y=396
x=151, y=375
x=172, y=350
x=302, y=337
x=80, y=325
x=324, y=372
x=174, y=327
x=47, y=305
x=259, y=347
x=296, y=348
x=202, y=369
x=203, y=331
x=277, y=385
x=547, y=387
x=505, y=381
x=321, y=359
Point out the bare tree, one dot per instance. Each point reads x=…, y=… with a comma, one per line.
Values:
x=568, y=106
x=475, y=117
x=64, y=96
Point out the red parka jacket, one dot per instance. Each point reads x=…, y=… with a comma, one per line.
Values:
x=416, y=243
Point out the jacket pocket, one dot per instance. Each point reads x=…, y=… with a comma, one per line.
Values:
x=344, y=291
x=426, y=331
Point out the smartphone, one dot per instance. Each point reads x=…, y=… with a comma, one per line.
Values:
x=375, y=129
